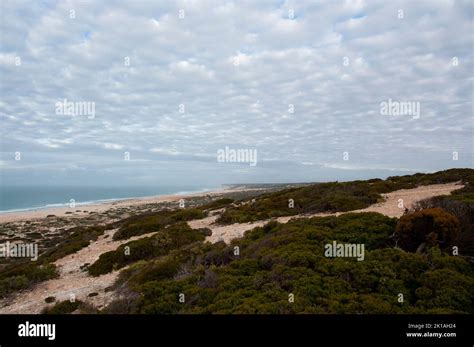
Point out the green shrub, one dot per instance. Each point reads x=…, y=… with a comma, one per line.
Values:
x=23, y=275
x=173, y=237
x=429, y=227
x=464, y=212
x=219, y=203
x=63, y=307
x=80, y=238
x=150, y=222
x=187, y=214
x=12, y=284
x=156, y=271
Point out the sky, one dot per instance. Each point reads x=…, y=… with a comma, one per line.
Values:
x=169, y=84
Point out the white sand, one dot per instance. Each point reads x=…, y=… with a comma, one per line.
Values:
x=102, y=207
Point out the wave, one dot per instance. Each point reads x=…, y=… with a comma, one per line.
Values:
x=102, y=201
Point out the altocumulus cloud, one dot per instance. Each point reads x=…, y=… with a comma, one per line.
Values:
x=175, y=81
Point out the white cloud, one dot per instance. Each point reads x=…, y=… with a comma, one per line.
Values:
x=281, y=61
x=165, y=151
x=112, y=146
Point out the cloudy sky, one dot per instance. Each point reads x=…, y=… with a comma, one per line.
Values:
x=172, y=82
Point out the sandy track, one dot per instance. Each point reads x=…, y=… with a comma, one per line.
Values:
x=73, y=280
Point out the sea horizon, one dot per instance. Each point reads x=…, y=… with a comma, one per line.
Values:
x=32, y=198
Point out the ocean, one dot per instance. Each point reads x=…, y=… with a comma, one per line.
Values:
x=16, y=198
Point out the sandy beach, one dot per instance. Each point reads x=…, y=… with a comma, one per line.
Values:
x=85, y=209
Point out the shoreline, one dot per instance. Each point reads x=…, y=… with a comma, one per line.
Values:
x=101, y=201
x=102, y=206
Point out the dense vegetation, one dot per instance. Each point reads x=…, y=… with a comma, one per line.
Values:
x=219, y=203
x=280, y=260
x=64, y=307
x=425, y=228
x=149, y=222
x=460, y=205
x=341, y=196
x=23, y=275
x=172, y=237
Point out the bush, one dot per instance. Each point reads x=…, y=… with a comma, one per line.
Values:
x=142, y=224
x=80, y=238
x=127, y=305
x=150, y=222
x=156, y=271
x=23, y=275
x=12, y=284
x=173, y=237
x=187, y=214
x=464, y=212
x=429, y=227
x=219, y=203
x=63, y=307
